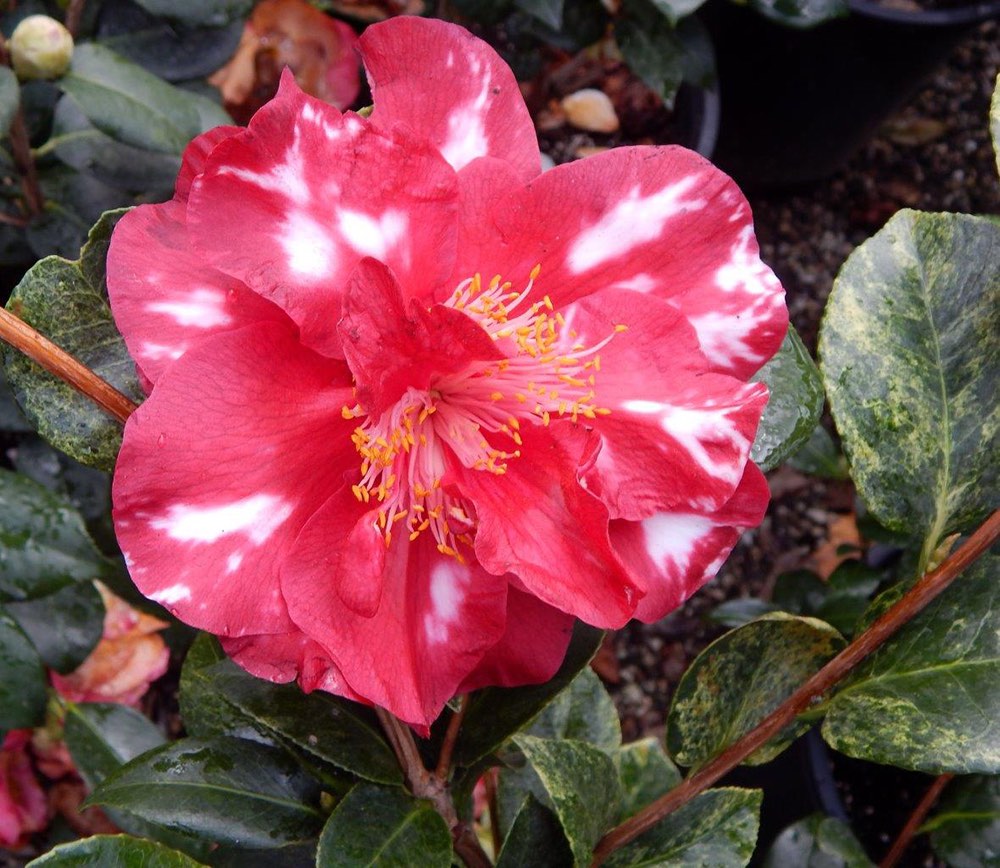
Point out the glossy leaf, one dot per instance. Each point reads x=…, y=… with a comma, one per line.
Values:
x=795, y=404
x=675, y=10
x=928, y=699
x=67, y=302
x=801, y=13
x=717, y=828
x=911, y=364
x=229, y=790
x=965, y=827
x=104, y=736
x=549, y=12
x=64, y=626
x=739, y=611
x=10, y=98
x=646, y=773
x=582, y=711
x=579, y=782
x=819, y=456
x=199, y=13
x=739, y=679
x=651, y=48
x=134, y=106
x=43, y=543
x=323, y=727
x=121, y=851
x=386, y=827
x=496, y=713
x=22, y=678
x=817, y=841
x=535, y=838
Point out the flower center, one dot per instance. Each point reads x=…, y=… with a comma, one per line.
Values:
x=474, y=415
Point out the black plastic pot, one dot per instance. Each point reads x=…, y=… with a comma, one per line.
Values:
x=797, y=103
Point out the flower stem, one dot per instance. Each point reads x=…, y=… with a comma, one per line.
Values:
x=20, y=148
x=448, y=745
x=913, y=823
x=56, y=361
x=923, y=592
x=74, y=11
x=425, y=784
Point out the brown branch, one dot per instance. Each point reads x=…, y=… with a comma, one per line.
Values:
x=20, y=148
x=916, y=819
x=74, y=11
x=425, y=785
x=443, y=769
x=811, y=692
x=56, y=361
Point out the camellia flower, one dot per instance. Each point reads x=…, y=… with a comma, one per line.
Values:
x=414, y=406
x=23, y=809
x=130, y=656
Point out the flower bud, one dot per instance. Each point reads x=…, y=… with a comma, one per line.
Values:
x=40, y=47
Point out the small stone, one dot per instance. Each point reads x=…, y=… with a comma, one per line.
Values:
x=40, y=47
x=590, y=109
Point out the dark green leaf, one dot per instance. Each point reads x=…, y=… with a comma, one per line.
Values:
x=22, y=678
x=794, y=408
x=496, y=713
x=582, y=711
x=204, y=711
x=675, y=10
x=717, y=828
x=535, y=838
x=800, y=13
x=229, y=790
x=911, y=362
x=928, y=699
x=11, y=417
x=549, y=12
x=134, y=106
x=323, y=727
x=120, y=851
x=965, y=828
x=199, y=13
x=849, y=591
x=64, y=626
x=10, y=98
x=69, y=306
x=43, y=544
x=385, y=827
x=81, y=145
x=817, y=841
x=739, y=679
x=736, y=613
x=819, y=456
x=580, y=784
x=646, y=773
x=651, y=48
x=102, y=737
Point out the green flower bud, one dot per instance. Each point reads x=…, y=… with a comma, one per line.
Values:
x=40, y=47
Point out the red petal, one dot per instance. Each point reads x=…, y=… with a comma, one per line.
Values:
x=292, y=204
x=677, y=435
x=241, y=441
x=672, y=554
x=661, y=221
x=537, y=522
x=164, y=296
x=532, y=647
x=451, y=88
x=195, y=156
x=435, y=620
x=390, y=347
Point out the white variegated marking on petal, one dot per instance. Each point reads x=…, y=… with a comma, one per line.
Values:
x=693, y=428
x=721, y=337
x=171, y=595
x=233, y=562
x=634, y=221
x=257, y=516
x=446, y=589
x=671, y=538
x=202, y=308
x=287, y=178
x=638, y=283
x=370, y=236
x=310, y=250
x=466, y=138
x=156, y=352
x=744, y=271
